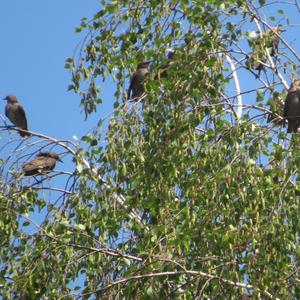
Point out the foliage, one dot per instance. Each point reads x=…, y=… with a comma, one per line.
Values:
x=189, y=198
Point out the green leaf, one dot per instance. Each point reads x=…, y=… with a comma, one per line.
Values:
x=127, y=261
x=79, y=167
x=80, y=227
x=149, y=291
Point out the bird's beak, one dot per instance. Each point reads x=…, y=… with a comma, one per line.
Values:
x=60, y=160
x=4, y=99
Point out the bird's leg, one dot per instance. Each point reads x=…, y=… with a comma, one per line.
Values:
x=46, y=174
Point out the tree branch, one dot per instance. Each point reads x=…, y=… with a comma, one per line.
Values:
x=176, y=273
x=120, y=198
x=239, y=111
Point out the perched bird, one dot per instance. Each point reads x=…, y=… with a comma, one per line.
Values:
x=43, y=163
x=14, y=111
x=292, y=107
x=136, y=88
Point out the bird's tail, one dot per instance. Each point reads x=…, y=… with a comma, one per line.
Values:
x=293, y=126
x=23, y=134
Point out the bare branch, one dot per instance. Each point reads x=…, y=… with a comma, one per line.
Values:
x=176, y=273
x=94, y=172
x=239, y=111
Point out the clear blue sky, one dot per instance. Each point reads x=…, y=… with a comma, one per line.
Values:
x=36, y=37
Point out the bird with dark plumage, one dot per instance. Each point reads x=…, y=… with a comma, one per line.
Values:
x=43, y=163
x=136, y=87
x=15, y=112
x=292, y=107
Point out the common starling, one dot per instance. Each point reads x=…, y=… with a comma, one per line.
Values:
x=136, y=88
x=292, y=107
x=42, y=164
x=14, y=111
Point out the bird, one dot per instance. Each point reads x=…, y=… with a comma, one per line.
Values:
x=292, y=107
x=136, y=87
x=15, y=112
x=43, y=163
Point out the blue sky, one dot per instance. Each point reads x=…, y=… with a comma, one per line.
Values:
x=36, y=38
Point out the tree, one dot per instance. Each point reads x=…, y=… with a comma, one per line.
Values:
x=194, y=194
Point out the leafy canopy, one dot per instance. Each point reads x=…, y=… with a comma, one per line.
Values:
x=188, y=197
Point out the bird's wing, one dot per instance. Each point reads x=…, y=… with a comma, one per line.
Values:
x=130, y=86
x=34, y=165
x=39, y=165
x=49, y=164
x=22, y=121
x=286, y=106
